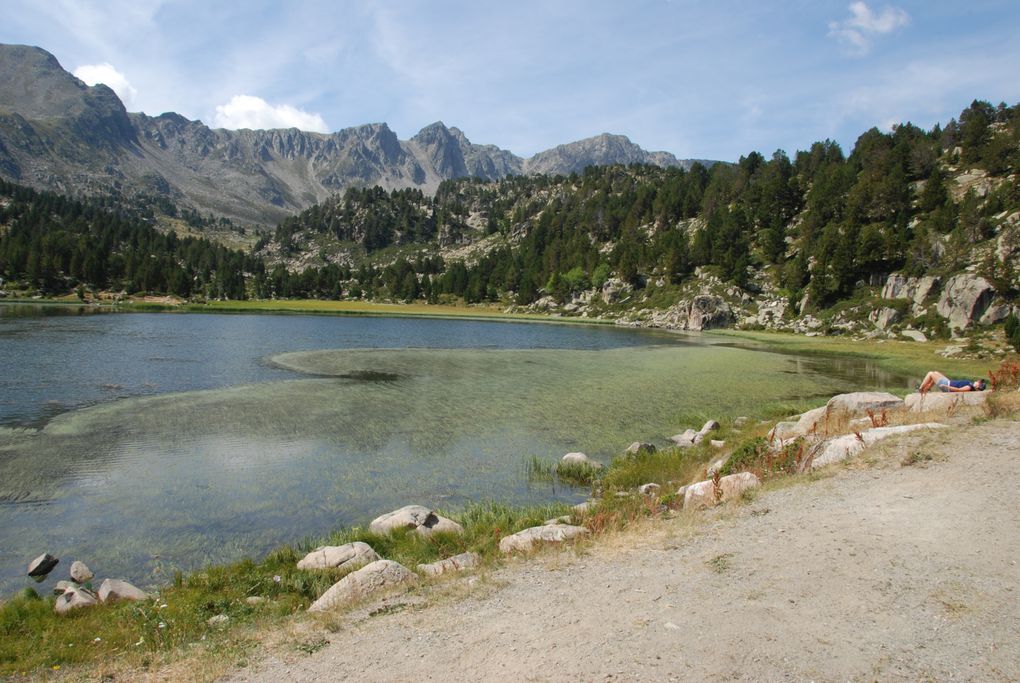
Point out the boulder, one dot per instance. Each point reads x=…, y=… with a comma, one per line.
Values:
x=218, y=621
x=812, y=421
x=702, y=494
x=639, y=448
x=584, y=507
x=964, y=300
x=417, y=517
x=526, y=540
x=372, y=578
x=115, y=589
x=944, y=402
x=710, y=426
x=41, y=566
x=885, y=318
x=717, y=443
x=786, y=430
x=708, y=312
x=457, y=563
x=996, y=312
x=649, y=489
x=859, y=402
x=741, y=421
x=80, y=573
x=580, y=459
x=915, y=335
x=843, y=447
x=349, y=555
x=687, y=439
x=74, y=598
x=615, y=289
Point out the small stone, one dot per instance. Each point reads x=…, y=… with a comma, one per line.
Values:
x=580, y=459
x=41, y=566
x=710, y=426
x=650, y=489
x=218, y=620
x=716, y=443
x=255, y=600
x=80, y=573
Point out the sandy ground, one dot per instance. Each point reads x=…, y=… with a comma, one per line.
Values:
x=880, y=571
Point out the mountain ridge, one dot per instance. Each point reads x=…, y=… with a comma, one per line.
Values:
x=57, y=133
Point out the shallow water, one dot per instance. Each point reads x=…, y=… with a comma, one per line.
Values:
x=229, y=435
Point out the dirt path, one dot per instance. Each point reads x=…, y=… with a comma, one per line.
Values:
x=880, y=572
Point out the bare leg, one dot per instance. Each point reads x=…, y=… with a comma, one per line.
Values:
x=929, y=381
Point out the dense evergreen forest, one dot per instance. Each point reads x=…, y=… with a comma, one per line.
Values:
x=54, y=244
x=818, y=224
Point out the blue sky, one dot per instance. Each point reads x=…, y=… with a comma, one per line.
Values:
x=699, y=79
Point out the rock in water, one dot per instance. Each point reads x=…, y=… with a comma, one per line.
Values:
x=371, y=578
x=115, y=589
x=73, y=599
x=580, y=459
x=640, y=448
x=80, y=573
x=41, y=566
x=349, y=555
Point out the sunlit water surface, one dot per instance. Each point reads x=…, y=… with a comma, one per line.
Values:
x=145, y=443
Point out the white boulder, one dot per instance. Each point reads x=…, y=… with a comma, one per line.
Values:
x=580, y=459
x=115, y=589
x=372, y=578
x=457, y=563
x=416, y=517
x=702, y=494
x=349, y=555
x=80, y=573
x=74, y=598
x=526, y=540
x=843, y=447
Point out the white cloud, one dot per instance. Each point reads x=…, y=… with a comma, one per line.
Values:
x=106, y=74
x=247, y=111
x=863, y=25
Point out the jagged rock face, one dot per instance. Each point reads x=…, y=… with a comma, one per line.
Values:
x=58, y=134
x=965, y=299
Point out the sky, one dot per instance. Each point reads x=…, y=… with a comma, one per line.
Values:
x=711, y=80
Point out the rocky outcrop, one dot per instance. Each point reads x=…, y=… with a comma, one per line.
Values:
x=859, y=402
x=965, y=298
x=526, y=540
x=421, y=519
x=349, y=555
x=843, y=447
x=372, y=578
x=944, y=402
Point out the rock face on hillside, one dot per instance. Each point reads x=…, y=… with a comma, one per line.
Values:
x=965, y=299
x=56, y=133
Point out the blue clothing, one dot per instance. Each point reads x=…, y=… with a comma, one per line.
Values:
x=945, y=384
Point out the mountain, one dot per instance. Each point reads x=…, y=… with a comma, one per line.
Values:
x=56, y=133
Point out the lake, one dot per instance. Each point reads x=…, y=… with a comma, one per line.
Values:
x=144, y=443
